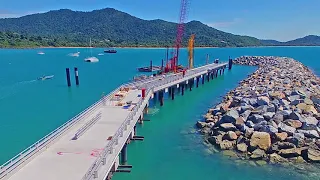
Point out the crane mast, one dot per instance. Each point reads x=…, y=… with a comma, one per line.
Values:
x=180, y=30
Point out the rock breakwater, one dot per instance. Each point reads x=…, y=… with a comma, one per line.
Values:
x=273, y=115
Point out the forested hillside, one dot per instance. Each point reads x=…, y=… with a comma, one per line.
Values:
x=109, y=27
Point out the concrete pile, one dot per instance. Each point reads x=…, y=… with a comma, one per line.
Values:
x=273, y=115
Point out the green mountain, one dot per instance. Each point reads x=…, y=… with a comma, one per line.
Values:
x=109, y=27
x=311, y=40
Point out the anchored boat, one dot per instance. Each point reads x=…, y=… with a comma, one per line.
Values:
x=111, y=51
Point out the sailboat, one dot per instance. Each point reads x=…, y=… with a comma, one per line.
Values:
x=92, y=58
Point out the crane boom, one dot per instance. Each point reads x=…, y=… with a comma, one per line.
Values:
x=180, y=29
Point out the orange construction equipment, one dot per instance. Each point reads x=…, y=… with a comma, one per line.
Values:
x=191, y=51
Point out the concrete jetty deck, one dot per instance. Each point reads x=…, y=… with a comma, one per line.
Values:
x=88, y=145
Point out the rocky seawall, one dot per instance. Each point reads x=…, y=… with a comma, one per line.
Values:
x=273, y=115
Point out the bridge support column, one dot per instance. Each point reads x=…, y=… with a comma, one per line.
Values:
x=208, y=77
x=223, y=70
x=68, y=77
x=220, y=72
x=212, y=74
x=124, y=154
x=146, y=110
x=178, y=87
x=76, y=75
x=140, y=120
x=155, y=98
x=161, y=97
x=182, y=89
x=203, y=76
x=230, y=63
x=190, y=84
x=217, y=73
x=197, y=82
x=172, y=93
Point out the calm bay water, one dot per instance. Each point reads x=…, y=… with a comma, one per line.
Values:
x=30, y=109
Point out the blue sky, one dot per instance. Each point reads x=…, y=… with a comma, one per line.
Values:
x=266, y=19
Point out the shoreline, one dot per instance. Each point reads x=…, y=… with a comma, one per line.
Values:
x=273, y=116
x=148, y=47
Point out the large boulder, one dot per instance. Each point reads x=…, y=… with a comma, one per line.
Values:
x=313, y=155
x=230, y=135
x=309, y=133
x=261, y=140
x=285, y=145
x=285, y=128
x=268, y=129
x=290, y=153
x=277, y=95
x=263, y=100
x=293, y=123
x=201, y=124
x=258, y=154
x=246, y=114
x=240, y=122
x=215, y=140
x=242, y=147
x=269, y=115
x=255, y=118
x=281, y=136
x=228, y=127
x=311, y=120
x=299, y=92
x=227, y=145
x=245, y=108
x=275, y=159
x=296, y=116
x=230, y=117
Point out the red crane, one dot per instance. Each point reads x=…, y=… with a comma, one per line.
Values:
x=174, y=61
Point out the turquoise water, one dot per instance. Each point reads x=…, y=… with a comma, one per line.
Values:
x=30, y=109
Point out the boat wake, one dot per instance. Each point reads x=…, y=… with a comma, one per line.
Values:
x=10, y=90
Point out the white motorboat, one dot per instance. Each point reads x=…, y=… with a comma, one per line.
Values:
x=42, y=78
x=91, y=59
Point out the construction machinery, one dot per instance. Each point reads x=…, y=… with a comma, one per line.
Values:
x=191, y=51
x=173, y=64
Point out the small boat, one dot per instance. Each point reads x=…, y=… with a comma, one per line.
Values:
x=149, y=69
x=42, y=78
x=111, y=51
x=91, y=59
x=41, y=53
x=100, y=54
x=77, y=54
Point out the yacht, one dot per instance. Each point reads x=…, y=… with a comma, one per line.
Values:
x=92, y=58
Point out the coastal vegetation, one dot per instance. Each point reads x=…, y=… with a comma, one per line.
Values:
x=112, y=28
x=108, y=27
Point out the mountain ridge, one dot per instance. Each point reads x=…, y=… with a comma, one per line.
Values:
x=110, y=27
x=309, y=40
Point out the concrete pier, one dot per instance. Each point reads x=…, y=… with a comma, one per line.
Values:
x=105, y=128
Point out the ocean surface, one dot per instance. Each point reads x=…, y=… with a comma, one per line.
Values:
x=30, y=109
